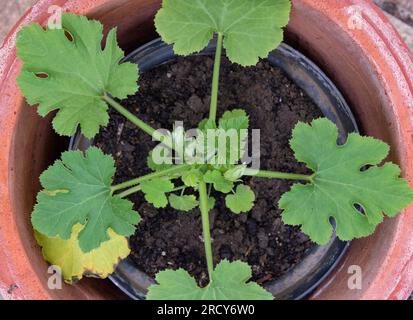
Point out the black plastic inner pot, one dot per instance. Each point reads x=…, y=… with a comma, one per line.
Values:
x=304, y=278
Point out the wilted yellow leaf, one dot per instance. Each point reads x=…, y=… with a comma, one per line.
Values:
x=75, y=264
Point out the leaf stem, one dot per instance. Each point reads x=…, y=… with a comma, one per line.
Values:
x=278, y=175
x=159, y=174
x=138, y=188
x=138, y=122
x=203, y=205
x=215, y=79
x=130, y=191
x=179, y=188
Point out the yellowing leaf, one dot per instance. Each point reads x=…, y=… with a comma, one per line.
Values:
x=74, y=263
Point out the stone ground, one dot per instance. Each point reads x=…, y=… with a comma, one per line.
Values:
x=10, y=12
x=400, y=13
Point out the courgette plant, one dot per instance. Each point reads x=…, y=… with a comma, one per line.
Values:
x=82, y=220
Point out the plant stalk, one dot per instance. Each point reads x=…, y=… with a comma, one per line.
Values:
x=179, y=188
x=159, y=174
x=130, y=191
x=215, y=79
x=138, y=122
x=203, y=204
x=278, y=175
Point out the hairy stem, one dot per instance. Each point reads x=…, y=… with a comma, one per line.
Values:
x=138, y=122
x=203, y=204
x=159, y=174
x=215, y=79
x=278, y=175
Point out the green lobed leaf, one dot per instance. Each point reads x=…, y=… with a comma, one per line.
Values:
x=192, y=177
x=251, y=28
x=183, y=203
x=77, y=189
x=242, y=200
x=235, y=119
x=211, y=203
x=155, y=191
x=162, y=152
x=235, y=173
x=223, y=168
x=229, y=282
x=340, y=183
x=238, y=121
x=230, y=138
x=79, y=73
x=217, y=179
x=207, y=124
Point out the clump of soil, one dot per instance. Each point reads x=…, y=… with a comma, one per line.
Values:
x=179, y=91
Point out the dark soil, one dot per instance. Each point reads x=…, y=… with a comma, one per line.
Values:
x=167, y=238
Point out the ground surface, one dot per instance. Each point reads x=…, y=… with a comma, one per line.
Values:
x=10, y=12
x=400, y=13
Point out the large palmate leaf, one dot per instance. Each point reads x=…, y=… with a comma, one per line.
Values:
x=251, y=28
x=77, y=189
x=342, y=188
x=228, y=283
x=74, y=263
x=67, y=69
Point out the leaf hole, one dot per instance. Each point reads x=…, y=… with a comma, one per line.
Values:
x=42, y=75
x=365, y=167
x=332, y=222
x=69, y=35
x=359, y=208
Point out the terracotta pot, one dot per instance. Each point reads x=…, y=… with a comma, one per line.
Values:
x=365, y=57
